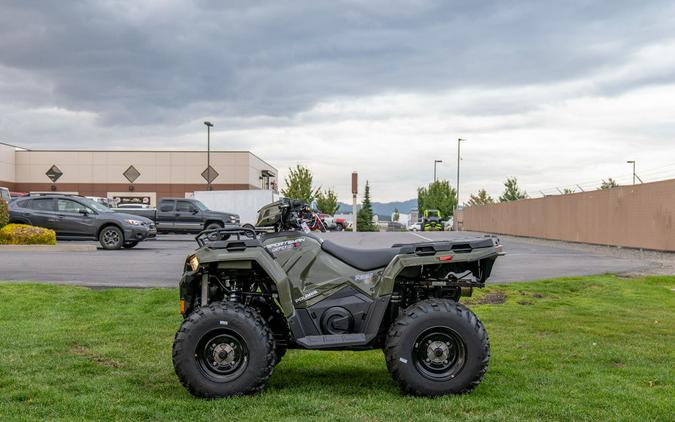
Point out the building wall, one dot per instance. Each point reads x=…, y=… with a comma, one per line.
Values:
x=101, y=173
x=640, y=216
x=7, y=165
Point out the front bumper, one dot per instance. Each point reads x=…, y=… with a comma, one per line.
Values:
x=139, y=233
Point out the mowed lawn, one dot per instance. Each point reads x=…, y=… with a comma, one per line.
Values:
x=596, y=348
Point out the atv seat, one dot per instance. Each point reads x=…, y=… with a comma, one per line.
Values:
x=362, y=259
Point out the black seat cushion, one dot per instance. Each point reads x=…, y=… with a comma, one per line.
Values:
x=362, y=259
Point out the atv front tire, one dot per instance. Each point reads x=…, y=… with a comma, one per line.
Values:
x=225, y=349
x=437, y=347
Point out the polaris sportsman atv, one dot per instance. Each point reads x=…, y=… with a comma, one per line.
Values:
x=247, y=297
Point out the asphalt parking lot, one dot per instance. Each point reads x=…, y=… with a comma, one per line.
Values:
x=158, y=263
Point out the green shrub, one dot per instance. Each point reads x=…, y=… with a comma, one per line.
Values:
x=21, y=234
x=4, y=213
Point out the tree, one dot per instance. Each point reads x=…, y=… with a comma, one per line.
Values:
x=364, y=219
x=327, y=201
x=438, y=195
x=567, y=191
x=396, y=216
x=481, y=198
x=299, y=184
x=608, y=184
x=512, y=191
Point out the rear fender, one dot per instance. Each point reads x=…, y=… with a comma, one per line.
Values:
x=483, y=257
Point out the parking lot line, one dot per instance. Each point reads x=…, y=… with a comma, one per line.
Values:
x=420, y=236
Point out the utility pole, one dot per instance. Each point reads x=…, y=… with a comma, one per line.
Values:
x=209, y=125
x=355, y=191
x=459, y=158
x=633, y=163
x=436, y=162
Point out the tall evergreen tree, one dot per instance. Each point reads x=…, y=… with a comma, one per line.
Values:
x=512, y=191
x=364, y=220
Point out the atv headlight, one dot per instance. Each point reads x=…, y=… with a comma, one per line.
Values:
x=194, y=262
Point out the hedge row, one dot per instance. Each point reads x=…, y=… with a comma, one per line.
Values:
x=21, y=234
x=4, y=213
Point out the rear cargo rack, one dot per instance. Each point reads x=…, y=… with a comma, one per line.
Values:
x=228, y=238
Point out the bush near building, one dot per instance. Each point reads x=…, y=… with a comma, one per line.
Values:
x=4, y=213
x=22, y=234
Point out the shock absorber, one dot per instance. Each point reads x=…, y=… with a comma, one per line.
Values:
x=395, y=304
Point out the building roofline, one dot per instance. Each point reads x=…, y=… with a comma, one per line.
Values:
x=21, y=149
x=13, y=146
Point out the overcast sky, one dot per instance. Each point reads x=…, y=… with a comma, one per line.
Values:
x=554, y=93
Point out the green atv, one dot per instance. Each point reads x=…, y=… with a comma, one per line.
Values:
x=247, y=297
x=432, y=221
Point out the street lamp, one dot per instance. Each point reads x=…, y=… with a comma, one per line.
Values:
x=459, y=158
x=633, y=163
x=436, y=162
x=209, y=125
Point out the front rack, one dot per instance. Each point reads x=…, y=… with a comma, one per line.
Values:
x=226, y=233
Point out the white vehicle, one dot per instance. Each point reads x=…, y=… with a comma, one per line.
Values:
x=245, y=203
x=134, y=206
x=101, y=200
x=4, y=194
x=414, y=227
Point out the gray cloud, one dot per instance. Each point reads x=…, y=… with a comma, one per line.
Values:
x=384, y=82
x=143, y=63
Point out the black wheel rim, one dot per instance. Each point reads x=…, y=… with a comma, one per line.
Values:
x=439, y=353
x=222, y=355
x=111, y=238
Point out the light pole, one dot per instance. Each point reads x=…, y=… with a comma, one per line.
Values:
x=209, y=125
x=436, y=162
x=459, y=158
x=633, y=163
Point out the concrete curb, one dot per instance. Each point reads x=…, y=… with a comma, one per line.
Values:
x=48, y=248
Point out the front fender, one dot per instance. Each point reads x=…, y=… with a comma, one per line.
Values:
x=260, y=256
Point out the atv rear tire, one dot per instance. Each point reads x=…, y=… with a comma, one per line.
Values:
x=437, y=347
x=225, y=349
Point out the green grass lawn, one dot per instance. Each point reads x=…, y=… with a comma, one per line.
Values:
x=596, y=348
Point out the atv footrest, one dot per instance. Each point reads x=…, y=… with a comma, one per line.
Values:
x=337, y=340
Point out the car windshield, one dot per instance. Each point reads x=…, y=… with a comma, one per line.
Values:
x=95, y=205
x=201, y=206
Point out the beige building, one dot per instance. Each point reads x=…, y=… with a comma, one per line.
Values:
x=125, y=175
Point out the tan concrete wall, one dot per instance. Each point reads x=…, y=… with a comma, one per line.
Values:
x=640, y=216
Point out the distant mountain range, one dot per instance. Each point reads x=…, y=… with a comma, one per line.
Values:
x=384, y=209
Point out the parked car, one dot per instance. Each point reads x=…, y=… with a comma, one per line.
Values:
x=76, y=217
x=184, y=216
x=4, y=194
x=15, y=195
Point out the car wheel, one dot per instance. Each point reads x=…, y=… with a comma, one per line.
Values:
x=130, y=245
x=225, y=349
x=214, y=226
x=111, y=237
x=437, y=347
x=339, y=228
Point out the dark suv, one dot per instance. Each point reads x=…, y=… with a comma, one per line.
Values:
x=76, y=217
